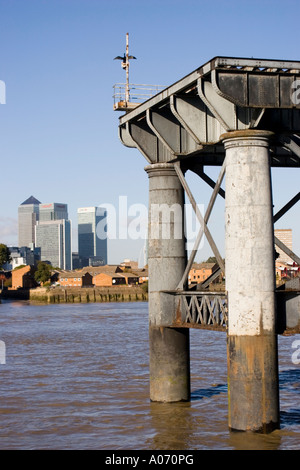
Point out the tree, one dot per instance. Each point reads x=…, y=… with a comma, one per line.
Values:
x=4, y=254
x=20, y=267
x=43, y=272
x=211, y=259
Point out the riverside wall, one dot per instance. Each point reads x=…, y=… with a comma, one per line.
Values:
x=77, y=294
x=88, y=294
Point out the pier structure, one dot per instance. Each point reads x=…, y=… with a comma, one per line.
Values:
x=243, y=116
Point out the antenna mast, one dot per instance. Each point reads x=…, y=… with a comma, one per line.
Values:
x=127, y=69
x=122, y=90
x=125, y=65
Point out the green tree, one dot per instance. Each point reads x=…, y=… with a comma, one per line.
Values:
x=4, y=254
x=20, y=267
x=43, y=272
x=211, y=259
x=8, y=282
x=145, y=287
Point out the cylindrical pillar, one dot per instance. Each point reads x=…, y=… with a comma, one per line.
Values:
x=169, y=347
x=253, y=389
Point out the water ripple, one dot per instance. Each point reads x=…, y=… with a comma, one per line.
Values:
x=76, y=377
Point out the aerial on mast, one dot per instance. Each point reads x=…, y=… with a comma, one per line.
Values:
x=122, y=96
x=125, y=65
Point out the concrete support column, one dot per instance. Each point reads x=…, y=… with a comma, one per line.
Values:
x=253, y=389
x=169, y=347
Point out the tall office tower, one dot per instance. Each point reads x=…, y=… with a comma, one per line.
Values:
x=286, y=237
x=53, y=211
x=28, y=215
x=53, y=235
x=92, y=249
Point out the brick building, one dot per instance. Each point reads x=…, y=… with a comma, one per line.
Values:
x=108, y=279
x=200, y=272
x=75, y=279
x=108, y=268
x=142, y=274
x=23, y=278
x=285, y=271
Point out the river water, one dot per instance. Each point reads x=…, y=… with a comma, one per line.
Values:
x=76, y=377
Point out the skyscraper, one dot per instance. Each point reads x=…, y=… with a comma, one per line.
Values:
x=91, y=248
x=28, y=215
x=53, y=211
x=53, y=235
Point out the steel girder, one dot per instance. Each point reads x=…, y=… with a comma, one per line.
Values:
x=183, y=124
x=185, y=121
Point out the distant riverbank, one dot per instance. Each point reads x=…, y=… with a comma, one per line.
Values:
x=78, y=295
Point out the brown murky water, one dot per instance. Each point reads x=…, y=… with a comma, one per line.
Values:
x=76, y=377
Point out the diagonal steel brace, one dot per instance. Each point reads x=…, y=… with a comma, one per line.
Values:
x=276, y=217
x=203, y=222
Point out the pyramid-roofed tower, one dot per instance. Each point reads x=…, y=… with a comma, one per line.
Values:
x=30, y=200
x=28, y=215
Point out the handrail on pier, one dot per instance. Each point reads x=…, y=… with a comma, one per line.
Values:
x=136, y=94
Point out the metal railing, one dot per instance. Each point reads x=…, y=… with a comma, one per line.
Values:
x=133, y=94
x=200, y=309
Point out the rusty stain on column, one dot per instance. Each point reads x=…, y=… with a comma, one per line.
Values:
x=253, y=388
x=169, y=347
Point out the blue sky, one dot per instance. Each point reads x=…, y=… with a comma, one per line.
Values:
x=58, y=131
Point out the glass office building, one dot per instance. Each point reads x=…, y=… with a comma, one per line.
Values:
x=28, y=215
x=53, y=211
x=53, y=235
x=92, y=250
